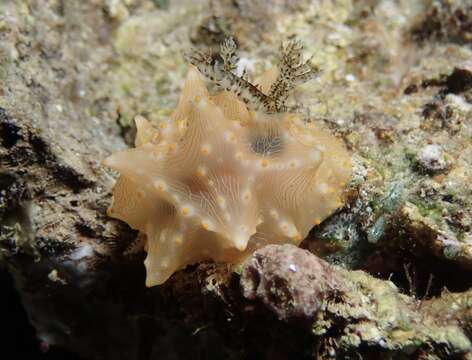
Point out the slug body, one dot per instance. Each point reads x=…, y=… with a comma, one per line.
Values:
x=218, y=181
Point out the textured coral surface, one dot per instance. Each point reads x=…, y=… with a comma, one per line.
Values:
x=217, y=181
x=391, y=269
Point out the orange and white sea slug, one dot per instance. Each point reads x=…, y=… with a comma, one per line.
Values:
x=229, y=173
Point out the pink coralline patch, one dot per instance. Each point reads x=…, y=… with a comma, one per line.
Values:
x=218, y=180
x=290, y=281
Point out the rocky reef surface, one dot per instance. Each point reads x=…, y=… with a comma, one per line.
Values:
x=388, y=276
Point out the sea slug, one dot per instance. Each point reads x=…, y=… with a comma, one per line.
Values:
x=228, y=173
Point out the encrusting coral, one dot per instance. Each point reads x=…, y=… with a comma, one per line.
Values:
x=229, y=173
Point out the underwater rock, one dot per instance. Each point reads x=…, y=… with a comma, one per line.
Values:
x=75, y=74
x=290, y=281
x=299, y=287
x=431, y=158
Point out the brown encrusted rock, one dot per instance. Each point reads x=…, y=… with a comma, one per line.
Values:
x=445, y=21
x=288, y=280
x=71, y=70
x=348, y=310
